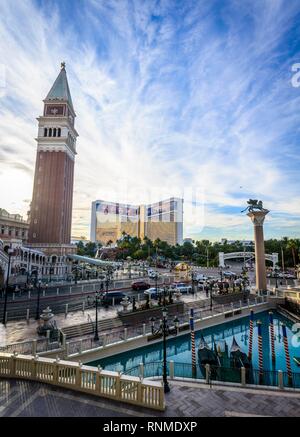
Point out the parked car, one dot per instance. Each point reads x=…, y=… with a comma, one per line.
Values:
x=182, y=287
x=140, y=285
x=229, y=274
x=201, y=278
x=153, y=293
x=108, y=297
x=152, y=274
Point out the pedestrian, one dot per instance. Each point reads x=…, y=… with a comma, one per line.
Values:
x=206, y=290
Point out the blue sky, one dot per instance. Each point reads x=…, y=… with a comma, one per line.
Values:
x=173, y=98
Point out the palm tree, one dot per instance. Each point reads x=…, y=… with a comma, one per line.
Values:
x=292, y=245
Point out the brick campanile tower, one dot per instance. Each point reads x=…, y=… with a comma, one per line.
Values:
x=51, y=206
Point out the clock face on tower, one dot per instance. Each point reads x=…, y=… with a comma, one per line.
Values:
x=55, y=110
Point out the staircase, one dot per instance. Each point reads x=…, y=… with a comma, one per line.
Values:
x=88, y=328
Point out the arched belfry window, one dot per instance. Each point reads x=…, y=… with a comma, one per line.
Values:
x=50, y=132
x=59, y=132
x=54, y=132
x=45, y=132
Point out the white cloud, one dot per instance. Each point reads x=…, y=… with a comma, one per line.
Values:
x=163, y=104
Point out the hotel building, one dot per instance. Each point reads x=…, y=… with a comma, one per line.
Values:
x=163, y=220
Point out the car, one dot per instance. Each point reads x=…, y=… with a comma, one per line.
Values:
x=182, y=287
x=112, y=296
x=153, y=293
x=229, y=274
x=140, y=285
x=152, y=274
x=289, y=276
x=200, y=277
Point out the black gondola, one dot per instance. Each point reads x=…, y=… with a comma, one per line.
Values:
x=238, y=358
x=206, y=355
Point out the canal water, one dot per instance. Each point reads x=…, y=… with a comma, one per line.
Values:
x=179, y=348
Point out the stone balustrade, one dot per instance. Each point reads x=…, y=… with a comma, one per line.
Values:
x=87, y=379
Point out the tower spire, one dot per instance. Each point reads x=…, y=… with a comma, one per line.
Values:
x=60, y=91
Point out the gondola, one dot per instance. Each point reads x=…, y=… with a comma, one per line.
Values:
x=238, y=358
x=206, y=355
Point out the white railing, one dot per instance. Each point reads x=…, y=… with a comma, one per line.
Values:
x=87, y=379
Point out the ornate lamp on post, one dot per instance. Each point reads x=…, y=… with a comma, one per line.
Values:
x=37, y=315
x=97, y=296
x=165, y=379
x=164, y=330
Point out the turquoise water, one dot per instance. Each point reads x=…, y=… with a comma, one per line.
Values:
x=179, y=348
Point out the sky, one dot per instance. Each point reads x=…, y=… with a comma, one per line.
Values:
x=195, y=99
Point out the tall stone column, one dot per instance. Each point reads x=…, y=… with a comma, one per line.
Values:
x=258, y=218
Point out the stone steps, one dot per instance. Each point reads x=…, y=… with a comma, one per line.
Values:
x=88, y=328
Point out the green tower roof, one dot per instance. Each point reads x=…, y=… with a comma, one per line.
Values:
x=60, y=89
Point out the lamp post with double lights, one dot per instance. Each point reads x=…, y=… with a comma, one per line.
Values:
x=165, y=330
x=10, y=253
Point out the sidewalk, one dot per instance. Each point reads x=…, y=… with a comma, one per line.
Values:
x=17, y=331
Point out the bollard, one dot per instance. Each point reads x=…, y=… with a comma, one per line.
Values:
x=80, y=347
x=280, y=380
x=34, y=344
x=138, y=297
x=171, y=367
x=29, y=294
x=113, y=301
x=13, y=296
x=243, y=376
x=83, y=306
x=6, y=317
x=240, y=304
x=144, y=329
x=66, y=310
x=141, y=369
x=70, y=290
x=248, y=303
x=27, y=315
x=125, y=334
x=44, y=291
x=57, y=291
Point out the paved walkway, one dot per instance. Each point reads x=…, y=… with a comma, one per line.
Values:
x=30, y=399
x=20, y=330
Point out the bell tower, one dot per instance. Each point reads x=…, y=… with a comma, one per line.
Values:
x=51, y=207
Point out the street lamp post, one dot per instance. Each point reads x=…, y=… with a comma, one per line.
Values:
x=37, y=315
x=164, y=330
x=96, y=336
x=10, y=252
x=165, y=379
